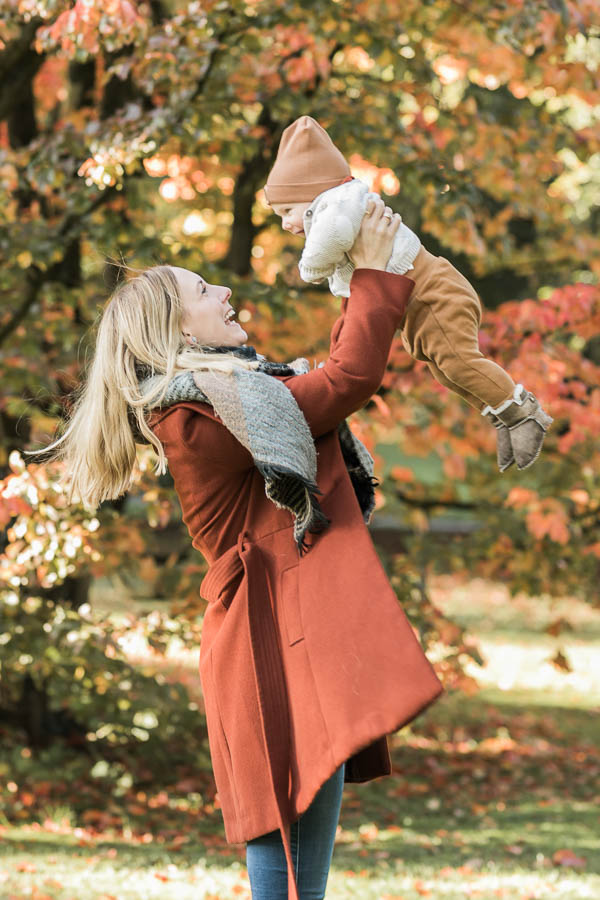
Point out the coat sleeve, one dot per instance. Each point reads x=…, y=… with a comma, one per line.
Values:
x=361, y=340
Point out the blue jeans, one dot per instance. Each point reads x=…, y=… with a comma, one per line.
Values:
x=312, y=838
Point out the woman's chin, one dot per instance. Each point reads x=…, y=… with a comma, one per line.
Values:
x=238, y=336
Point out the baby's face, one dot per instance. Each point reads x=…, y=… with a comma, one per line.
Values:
x=291, y=216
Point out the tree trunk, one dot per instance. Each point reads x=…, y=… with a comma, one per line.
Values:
x=239, y=252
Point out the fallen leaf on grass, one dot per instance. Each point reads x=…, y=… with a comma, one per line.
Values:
x=478, y=809
x=178, y=840
x=136, y=809
x=560, y=661
x=568, y=858
x=26, y=867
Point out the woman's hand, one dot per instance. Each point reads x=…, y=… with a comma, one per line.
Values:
x=375, y=240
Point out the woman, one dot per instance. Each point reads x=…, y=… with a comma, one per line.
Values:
x=307, y=660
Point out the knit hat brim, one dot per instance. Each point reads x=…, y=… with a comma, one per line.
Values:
x=299, y=193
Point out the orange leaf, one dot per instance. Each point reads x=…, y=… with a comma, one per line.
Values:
x=381, y=405
x=26, y=867
x=402, y=473
x=561, y=662
x=519, y=496
x=568, y=858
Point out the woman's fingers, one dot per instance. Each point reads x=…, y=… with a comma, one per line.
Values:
x=375, y=207
x=375, y=239
x=394, y=223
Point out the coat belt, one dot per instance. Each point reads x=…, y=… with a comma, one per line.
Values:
x=245, y=557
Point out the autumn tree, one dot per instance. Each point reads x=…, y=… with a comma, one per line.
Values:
x=145, y=132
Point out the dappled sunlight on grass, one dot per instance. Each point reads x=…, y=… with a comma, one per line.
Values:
x=489, y=606
x=493, y=794
x=55, y=871
x=524, y=666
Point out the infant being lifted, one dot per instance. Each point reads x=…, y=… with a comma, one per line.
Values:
x=310, y=187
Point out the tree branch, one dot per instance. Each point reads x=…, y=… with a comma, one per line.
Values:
x=71, y=228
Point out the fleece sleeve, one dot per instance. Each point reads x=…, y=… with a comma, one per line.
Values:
x=332, y=234
x=361, y=340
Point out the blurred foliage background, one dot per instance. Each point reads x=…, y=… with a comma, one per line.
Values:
x=144, y=132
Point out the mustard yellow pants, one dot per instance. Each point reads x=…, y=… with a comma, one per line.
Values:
x=442, y=328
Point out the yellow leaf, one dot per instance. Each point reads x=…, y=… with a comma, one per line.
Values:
x=25, y=259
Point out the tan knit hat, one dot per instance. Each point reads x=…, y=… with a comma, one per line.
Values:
x=308, y=163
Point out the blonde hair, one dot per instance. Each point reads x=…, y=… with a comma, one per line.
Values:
x=139, y=333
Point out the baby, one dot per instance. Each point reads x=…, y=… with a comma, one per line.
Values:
x=311, y=188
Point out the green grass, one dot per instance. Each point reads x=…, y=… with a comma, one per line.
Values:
x=494, y=795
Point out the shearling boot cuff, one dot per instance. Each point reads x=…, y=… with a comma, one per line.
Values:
x=526, y=422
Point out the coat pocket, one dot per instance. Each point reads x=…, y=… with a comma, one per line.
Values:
x=290, y=600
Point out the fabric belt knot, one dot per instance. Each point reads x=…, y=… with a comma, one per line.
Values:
x=245, y=558
x=220, y=576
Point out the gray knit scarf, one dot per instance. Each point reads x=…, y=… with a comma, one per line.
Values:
x=263, y=415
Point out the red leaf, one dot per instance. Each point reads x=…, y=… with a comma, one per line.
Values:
x=568, y=858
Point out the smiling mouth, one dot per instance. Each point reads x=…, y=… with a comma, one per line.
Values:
x=229, y=316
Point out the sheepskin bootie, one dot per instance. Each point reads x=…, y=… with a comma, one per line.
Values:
x=504, y=450
x=526, y=424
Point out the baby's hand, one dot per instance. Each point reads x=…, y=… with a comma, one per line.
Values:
x=375, y=240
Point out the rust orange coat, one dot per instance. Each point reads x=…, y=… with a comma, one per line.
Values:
x=305, y=662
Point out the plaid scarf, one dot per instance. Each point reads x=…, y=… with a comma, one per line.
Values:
x=263, y=415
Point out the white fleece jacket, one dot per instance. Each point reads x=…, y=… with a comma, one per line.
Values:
x=331, y=224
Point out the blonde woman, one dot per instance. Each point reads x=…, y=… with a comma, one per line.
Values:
x=307, y=660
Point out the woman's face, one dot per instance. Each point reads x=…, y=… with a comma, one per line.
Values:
x=207, y=312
